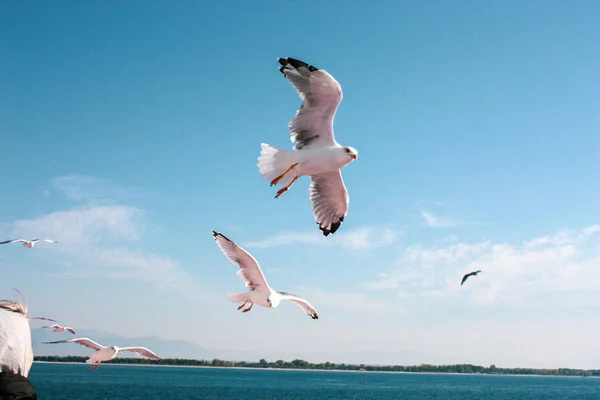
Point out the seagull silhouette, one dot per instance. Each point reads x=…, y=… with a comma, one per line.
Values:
x=468, y=275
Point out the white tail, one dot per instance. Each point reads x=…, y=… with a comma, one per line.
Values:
x=274, y=162
x=238, y=297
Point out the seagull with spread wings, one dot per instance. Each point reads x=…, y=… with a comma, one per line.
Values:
x=259, y=290
x=105, y=353
x=316, y=152
x=59, y=328
x=464, y=279
x=28, y=243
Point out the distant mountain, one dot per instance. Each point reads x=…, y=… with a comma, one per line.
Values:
x=181, y=349
x=163, y=347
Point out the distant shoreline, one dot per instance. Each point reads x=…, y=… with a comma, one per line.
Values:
x=314, y=369
x=212, y=367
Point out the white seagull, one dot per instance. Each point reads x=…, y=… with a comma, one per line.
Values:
x=316, y=153
x=28, y=243
x=260, y=291
x=58, y=328
x=105, y=353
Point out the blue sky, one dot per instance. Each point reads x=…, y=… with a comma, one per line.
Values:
x=128, y=131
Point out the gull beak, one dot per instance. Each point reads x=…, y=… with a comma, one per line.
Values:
x=354, y=156
x=271, y=305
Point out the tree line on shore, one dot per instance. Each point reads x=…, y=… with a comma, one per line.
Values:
x=301, y=364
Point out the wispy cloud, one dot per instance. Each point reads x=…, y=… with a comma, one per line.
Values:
x=357, y=239
x=90, y=245
x=437, y=221
x=352, y=301
x=83, y=188
x=101, y=237
x=85, y=225
x=566, y=262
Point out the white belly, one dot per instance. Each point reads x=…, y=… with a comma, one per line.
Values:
x=319, y=160
x=103, y=355
x=259, y=298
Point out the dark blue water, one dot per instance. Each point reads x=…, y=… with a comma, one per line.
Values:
x=68, y=381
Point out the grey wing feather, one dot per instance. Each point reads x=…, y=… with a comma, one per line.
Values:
x=321, y=95
x=82, y=341
x=250, y=271
x=329, y=199
x=142, y=351
x=303, y=303
x=11, y=241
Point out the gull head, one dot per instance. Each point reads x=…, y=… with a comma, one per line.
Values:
x=351, y=151
x=114, y=348
x=273, y=300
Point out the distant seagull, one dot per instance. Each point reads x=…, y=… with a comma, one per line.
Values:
x=468, y=275
x=316, y=153
x=28, y=243
x=260, y=292
x=104, y=353
x=58, y=328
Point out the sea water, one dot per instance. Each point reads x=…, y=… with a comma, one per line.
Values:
x=76, y=381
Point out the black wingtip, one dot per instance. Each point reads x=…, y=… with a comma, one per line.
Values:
x=219, y=234
x=296, y=63
x=331, y=230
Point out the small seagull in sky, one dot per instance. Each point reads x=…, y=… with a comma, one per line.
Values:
x=316, y=152
x=464, y=279
x=28, y=243
x=252, y=276
x=105, y=353
x=58, y=328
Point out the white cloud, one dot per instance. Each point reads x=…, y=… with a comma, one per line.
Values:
x=438, y=222
x=352, y=301
x=91, y=237
x=357, y=239
x=84, y=188
x=87, y=224
x=89, y=245
x=567, y=262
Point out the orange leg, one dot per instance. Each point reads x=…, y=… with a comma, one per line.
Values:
x=249, y=308
x=285, y=189
x=97, y=366
x=280, y=177
x=240, y=307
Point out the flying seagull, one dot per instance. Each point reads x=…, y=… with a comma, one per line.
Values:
x=468, y=275
x=105, y=353
x=260, y=291
x=28, y=243
x=58, y=328
x=316, y=153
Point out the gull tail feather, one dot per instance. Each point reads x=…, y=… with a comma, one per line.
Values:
x=273, y=162
x=237, y=297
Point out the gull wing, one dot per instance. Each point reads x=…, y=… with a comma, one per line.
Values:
x=82, y=341
x=303, y=303
x=321, y=95
x=141, y=351
x=250, y=271
x=329, y=199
